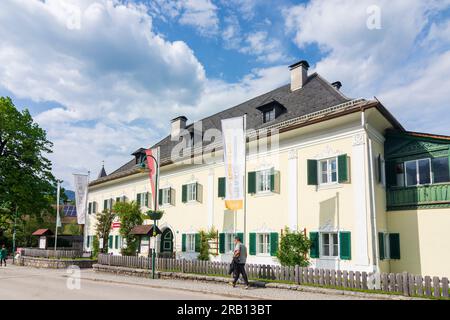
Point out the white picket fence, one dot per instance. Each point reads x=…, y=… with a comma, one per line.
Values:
x=402, y=283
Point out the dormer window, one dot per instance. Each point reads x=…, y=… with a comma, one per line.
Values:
x=271, y=110
x=269, y=115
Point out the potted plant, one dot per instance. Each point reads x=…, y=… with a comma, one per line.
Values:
x=155, y=214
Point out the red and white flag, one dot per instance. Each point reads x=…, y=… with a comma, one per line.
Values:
x=153, y=171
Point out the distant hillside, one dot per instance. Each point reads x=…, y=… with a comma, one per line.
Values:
x=70, y=195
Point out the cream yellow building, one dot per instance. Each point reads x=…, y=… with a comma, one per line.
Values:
x=330, y=167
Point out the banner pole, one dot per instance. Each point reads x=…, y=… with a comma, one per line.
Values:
x=57, y=215
x=86, y=205
x=245, y=179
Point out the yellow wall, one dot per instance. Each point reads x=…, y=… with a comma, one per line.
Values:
x=424, y=241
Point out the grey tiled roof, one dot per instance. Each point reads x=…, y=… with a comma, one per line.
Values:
x=317, y=94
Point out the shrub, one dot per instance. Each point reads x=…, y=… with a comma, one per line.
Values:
x=204, y=247
x=294, y=247
x=95, y=247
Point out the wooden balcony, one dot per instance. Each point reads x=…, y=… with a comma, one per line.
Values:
x=430, y=196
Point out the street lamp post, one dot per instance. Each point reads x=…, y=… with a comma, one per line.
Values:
x=156, y=208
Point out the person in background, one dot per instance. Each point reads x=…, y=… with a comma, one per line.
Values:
x=3, y=255
x=239, y=258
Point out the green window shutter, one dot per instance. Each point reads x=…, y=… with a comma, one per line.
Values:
x=241, y=236
x=391, y=175
x=251, y=182
x=273, y=243
x=272, y=180
x=197, y=242
x=184, y=193
x=90, y=208
x=343, y=168
x=105, y=204
x=110, y=242
x=160, y=193
x=183, y=242
x=312, y=173
x=345, y=245
x=380, y=173
x=222, y=242
x=117, y=199
x=88, y=241
x=138, y=199
x=394, y=245
x=314, y=251
x=252, y=246
x=117, y=242
x=147, y=199
x=221, y=187
x=381, y=245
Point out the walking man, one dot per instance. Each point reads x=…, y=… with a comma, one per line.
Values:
x=239, y=259
x=3, y=255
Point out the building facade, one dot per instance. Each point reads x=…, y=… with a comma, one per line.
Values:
x=369, y=195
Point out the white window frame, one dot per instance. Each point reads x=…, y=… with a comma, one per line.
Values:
x=165, y=196
x=272, y=115
x=265, y=244
x=387, y=246
x=229, y=242
x=331, y=245
x=263, y=175
x=190, y=242
x=329, y=171
x=417, y=173
x=191, y=192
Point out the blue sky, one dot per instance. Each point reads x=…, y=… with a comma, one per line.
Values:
x=104, y=77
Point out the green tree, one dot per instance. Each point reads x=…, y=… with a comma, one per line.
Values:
x=95, y=247
x=26, y=180
x=103, y=226
x=294, y=247
x=130, y=216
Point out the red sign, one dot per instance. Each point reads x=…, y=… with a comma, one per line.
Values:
x=116, y=225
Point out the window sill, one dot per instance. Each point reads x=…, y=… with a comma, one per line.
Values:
x=192, y=202
x=263, y=255
x=329, y=258
x=264, y=194
x=166, y=206
x=329, y=186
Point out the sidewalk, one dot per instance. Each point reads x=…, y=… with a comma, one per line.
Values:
x=215, y=285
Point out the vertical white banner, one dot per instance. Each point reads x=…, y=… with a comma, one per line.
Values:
x=58, y=218
x=233, y=136
x=81, y=192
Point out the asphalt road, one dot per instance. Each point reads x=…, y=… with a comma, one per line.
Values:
x=48, y=284
x=42, y=284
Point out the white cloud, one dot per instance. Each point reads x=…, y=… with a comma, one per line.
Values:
x=265, y=48
x=115, y=82
x=200, y=14
x=231, y=34
x=372, y=62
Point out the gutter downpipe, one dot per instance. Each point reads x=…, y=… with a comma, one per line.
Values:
x=373, y=212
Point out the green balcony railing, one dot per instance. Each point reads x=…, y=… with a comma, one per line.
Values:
x=436, y=195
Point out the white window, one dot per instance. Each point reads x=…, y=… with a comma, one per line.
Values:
x=330, y=245
x=229, y=242
x=269, y=115
x=190, y=242
x=328, y=171
x=418, y=172
x=263, y=179
x=387, y=247
x=263, y=243
x=165, y=194
x=192, y=192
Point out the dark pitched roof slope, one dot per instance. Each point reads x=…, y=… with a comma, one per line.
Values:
x=317, y=94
